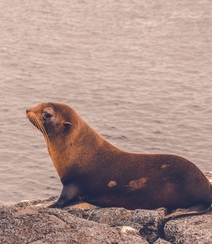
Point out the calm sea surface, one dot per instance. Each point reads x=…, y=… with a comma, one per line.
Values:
x=139, y=72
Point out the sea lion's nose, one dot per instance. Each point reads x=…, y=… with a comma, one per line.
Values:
x=27, y=111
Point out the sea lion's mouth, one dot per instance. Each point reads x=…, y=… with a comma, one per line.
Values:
x=33, y=119
x=35, y=123
x=38, y=124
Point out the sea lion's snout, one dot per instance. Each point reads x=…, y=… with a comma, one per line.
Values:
x=29, y=112
x=30, y=115
x=35, y=117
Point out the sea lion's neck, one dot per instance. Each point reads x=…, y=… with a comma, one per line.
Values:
x=76, y=149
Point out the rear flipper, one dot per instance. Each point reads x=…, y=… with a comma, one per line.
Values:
x=69, y=196
x=194, y=210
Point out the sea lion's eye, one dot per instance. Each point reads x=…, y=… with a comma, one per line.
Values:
x=46, y=115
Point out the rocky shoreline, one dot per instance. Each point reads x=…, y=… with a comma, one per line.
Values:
x=32, y=222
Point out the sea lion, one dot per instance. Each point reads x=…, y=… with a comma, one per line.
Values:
x=93, y=170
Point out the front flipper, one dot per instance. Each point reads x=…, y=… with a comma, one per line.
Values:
x=68, y=196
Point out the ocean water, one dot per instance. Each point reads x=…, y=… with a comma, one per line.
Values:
x=139, y=72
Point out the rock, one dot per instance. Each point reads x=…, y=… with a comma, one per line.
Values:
x=190, y=229
x=146, y=222
x=161, y=241
x=31, y=224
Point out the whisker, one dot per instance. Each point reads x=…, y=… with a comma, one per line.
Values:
x=42, y=129
x=40, y=126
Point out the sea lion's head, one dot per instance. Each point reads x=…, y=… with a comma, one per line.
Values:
x=64, y=132
x=50, y=118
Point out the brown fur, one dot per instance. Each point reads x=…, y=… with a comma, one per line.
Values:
x=93, y=170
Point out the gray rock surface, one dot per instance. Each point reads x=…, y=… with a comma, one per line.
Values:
x=191, y=229
x=146, y=222
x=161, y=241
x=33, y=222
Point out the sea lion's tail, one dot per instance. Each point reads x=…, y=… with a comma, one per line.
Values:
x=194, y=210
